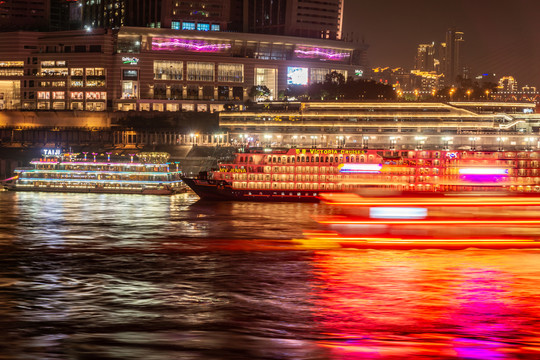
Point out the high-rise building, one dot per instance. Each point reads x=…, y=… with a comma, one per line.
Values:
x=24, y=14
x=202, y=15
x=117, y=13
x=305, y=18
x=425, y=60
x=453, y=67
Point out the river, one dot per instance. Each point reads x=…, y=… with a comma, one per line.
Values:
x=88, y=276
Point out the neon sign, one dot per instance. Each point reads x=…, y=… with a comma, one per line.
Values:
x=130, y=60
x=172, y=44
x=309, y=52
x=360, y=168
x=50, y=152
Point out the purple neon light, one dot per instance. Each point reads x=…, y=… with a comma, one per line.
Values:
x=309, y=52
x=171, y=44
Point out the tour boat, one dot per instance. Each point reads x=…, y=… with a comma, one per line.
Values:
x=448, y=222
x=68, y=172
x=303, y=174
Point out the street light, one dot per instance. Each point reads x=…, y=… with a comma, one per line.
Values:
x=452, y=91
x=469, y=95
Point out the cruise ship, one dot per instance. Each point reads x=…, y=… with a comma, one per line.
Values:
x=99, y=173
x=303, y=174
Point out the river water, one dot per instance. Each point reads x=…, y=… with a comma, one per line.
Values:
x=87, y=276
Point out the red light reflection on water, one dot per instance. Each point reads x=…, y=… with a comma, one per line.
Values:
x=395, y=304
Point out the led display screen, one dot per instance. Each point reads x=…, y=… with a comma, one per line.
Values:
x=297, y=75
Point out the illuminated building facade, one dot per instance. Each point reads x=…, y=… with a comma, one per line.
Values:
x=159, y=69
x=508, y=84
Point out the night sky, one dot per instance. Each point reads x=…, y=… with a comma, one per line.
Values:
x=501, y=36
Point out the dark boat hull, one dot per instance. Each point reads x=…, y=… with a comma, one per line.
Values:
x=222, y=191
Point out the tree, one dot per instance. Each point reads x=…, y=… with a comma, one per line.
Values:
x=259, y=92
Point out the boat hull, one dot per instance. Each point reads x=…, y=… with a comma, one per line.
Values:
x=101, y=190
x=221, y=191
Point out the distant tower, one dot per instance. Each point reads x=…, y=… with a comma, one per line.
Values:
x=425, y=60
x=453, y=66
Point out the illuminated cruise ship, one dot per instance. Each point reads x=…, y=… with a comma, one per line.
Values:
x=99, y=173
x=296, y=151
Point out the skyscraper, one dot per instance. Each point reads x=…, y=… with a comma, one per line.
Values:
x=24, y=14
x=117, y=13
x=452, y=67
x=425, y=60
x=306, y=18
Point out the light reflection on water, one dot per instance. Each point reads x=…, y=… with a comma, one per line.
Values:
x=120, y=276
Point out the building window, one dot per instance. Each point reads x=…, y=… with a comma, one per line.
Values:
x=95, y=72
x=77, y=95
x=76, y=83
x=58, y=95
x=168, y=70
x=129, y=89
x=175, y=25
x=130, y=74
x=215, y=27
x=203, y=27
x=342, y=72
x=11, y=68
x=187, y=25
x=96, y=95
x=268, y=78
x=317, y=75
x=95, y=48
x=77, y=72
x=200, y=71
x=231, y=72
x=44, y=95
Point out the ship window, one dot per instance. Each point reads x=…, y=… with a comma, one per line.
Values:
x=347, y=159
x=302, y=159
x=307, y=158
x=331, y=159
x=288, y=160
x=279, y=160
x=251, y=159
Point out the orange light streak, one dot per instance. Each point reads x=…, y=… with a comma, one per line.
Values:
x=351, y=199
